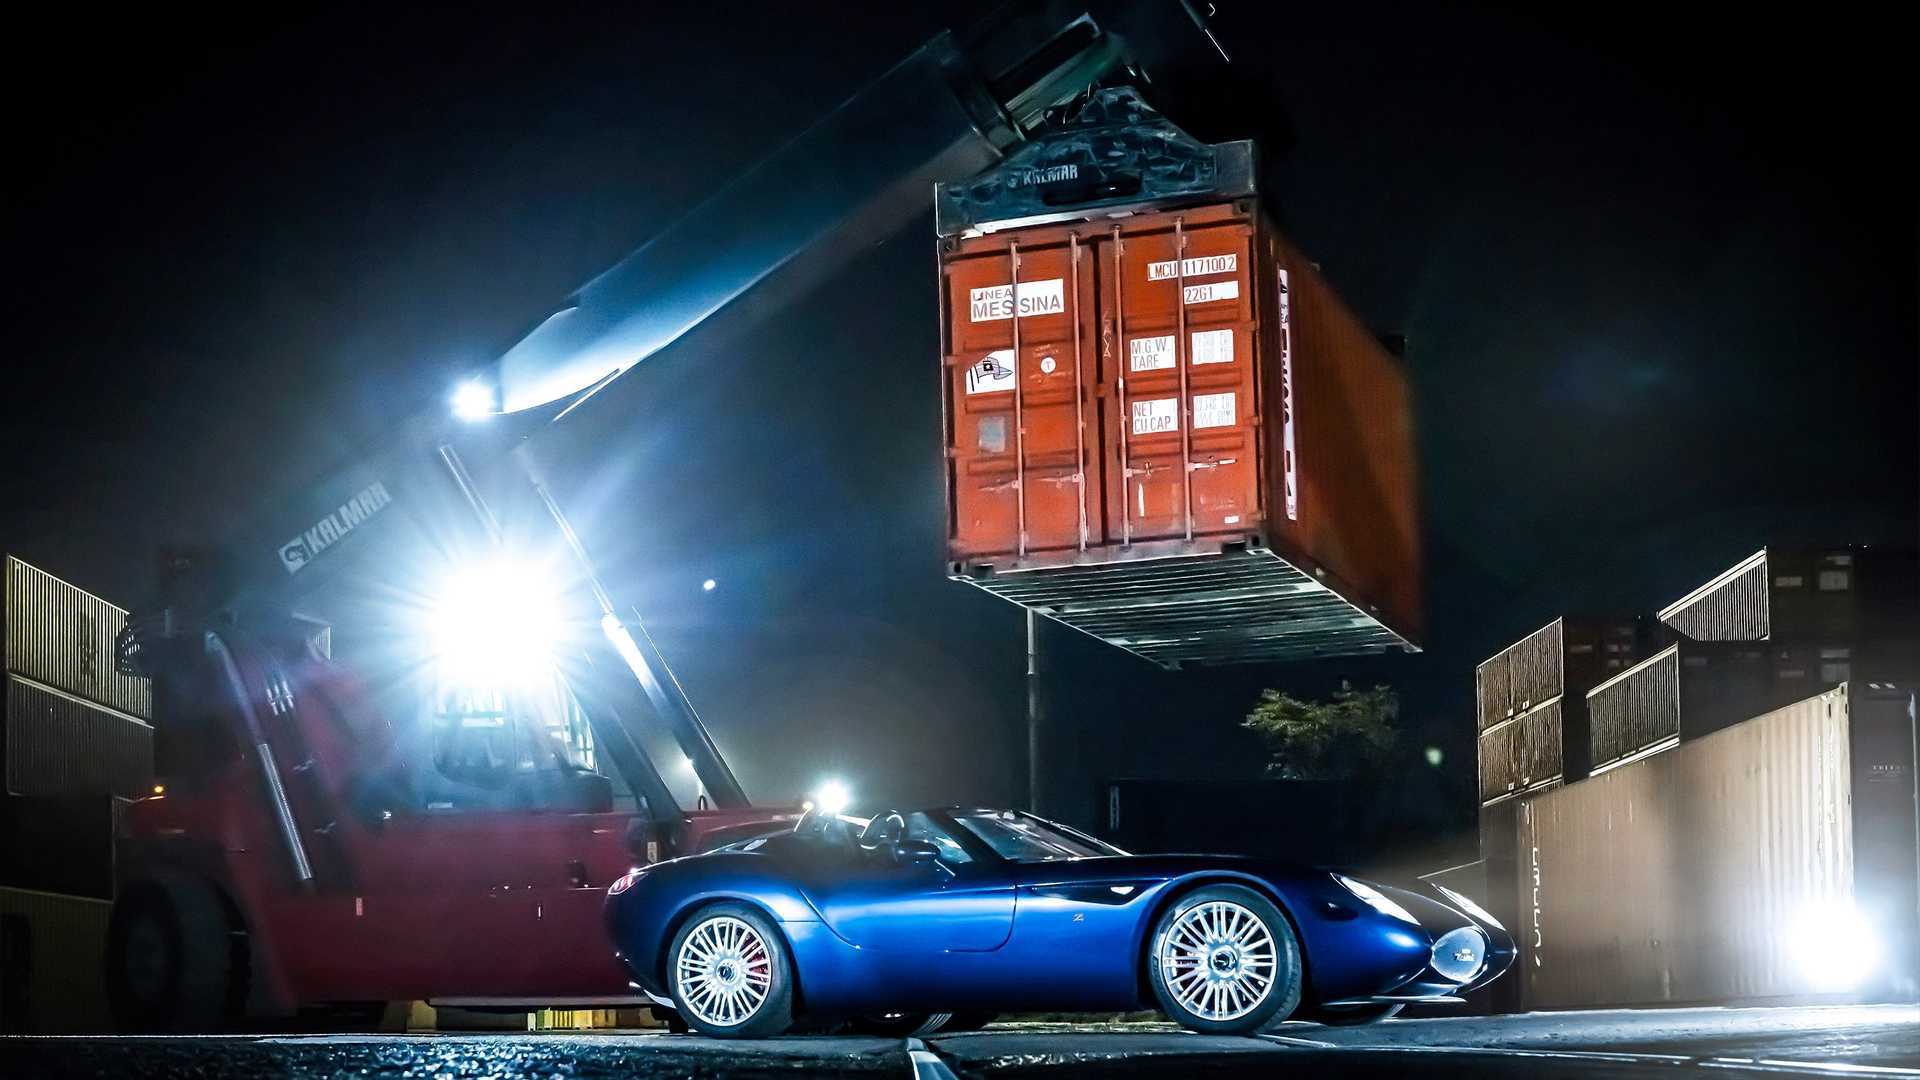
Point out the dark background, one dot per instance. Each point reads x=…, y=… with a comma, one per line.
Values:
x=1658, y=281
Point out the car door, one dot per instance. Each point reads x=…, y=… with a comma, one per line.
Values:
x=915, y=912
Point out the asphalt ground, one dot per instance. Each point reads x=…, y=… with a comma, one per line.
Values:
x=1864, y=1041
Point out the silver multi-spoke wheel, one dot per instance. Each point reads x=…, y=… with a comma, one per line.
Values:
x=1218, y=960
x=724, y=970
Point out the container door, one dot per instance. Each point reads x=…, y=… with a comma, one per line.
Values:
x=1038, y=400
x=1181, y=462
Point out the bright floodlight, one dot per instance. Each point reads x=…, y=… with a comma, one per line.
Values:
x=832, y=798
x=474, y=401
x=495, y=621
x=1834, y=945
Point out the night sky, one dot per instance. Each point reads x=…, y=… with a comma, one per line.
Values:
x=1658, y=283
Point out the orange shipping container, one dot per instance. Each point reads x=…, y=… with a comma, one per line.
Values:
x=1164, y=429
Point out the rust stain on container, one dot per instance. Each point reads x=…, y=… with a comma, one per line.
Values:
x=1166, y=430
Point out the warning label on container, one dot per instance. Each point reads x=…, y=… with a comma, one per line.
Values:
x=1150, y=353
x=1213, y=410
x=1213, y=290
x=1212, y=347
x=991, y=373
x=995, y=302
x=1153, y=417
x=1194, y=267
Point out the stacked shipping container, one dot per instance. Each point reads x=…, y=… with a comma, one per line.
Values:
x=1682, y=692
x=74, y=726
x=1729, y=845
x=1531, y=700
x=1827, y=615
x=1163, y=428
x=1722, y=827
x=74, y=740
x=1772, y=629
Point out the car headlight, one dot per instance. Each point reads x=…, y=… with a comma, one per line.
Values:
x=1376, y=899
x=1467, y=905
x=1460, y=954
x=625, y=881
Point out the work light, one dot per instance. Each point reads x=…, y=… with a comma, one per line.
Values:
x=495, y=622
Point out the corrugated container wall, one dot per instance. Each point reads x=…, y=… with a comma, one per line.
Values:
x=1163, y=428
x=1531, y=700
x=62, y=637
x=1805, y=595
x=57, y=745
x=72, y=725
x=1523, y=753
x=1688, y=690
x=1726, y=845
x=52, y=964
x=1854, y=610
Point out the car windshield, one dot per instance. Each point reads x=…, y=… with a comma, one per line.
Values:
x=1019, y=837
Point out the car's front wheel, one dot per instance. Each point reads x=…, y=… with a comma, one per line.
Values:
x=1223, y=961
x=730, y=974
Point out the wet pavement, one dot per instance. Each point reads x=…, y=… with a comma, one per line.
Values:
x=1876, y=1041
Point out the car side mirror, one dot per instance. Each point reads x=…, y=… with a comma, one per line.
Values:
x=916, y=852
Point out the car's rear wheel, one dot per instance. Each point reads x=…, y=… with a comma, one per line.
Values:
x=1223, y=960
x=730, y=974
x=1350, y=1015
x=900, y=1025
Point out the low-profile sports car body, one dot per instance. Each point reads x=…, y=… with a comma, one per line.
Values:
x=908, y=921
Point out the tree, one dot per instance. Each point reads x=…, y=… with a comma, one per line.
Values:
x=1352, y=735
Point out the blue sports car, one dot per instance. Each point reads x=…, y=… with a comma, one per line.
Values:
x=911, y=922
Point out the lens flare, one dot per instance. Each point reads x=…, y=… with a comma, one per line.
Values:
x=495, y=622
x=832, y=797
x=1834, y=945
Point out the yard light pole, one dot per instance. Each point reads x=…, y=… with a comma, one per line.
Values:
x=1035, y=711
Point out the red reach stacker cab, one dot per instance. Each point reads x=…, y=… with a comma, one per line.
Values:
x=316, y=844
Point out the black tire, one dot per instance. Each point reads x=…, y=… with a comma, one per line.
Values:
x=899, y=1025
x=1282, y=995
x=1350, y=1015
x=173, y=962
x=972, y=1021
x=774, y=1014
